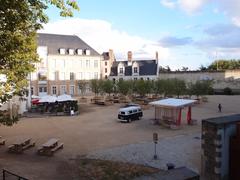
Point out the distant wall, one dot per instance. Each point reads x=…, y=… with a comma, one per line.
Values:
x=222, y=79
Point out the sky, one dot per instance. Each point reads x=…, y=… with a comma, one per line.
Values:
x=185, y=33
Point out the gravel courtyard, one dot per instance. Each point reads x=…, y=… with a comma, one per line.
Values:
x=95, y=131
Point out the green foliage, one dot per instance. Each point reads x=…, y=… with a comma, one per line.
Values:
x=96, y=86
x=107, y=86
x=202, y=87
x=179, y=87
x=124, y=87
x=19, y=22
x=224, y=65
x=141, y=87
x=227, y=91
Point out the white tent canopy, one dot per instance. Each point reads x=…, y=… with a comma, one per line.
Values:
x=48, y=99
x=64, y=97
x=172, y=102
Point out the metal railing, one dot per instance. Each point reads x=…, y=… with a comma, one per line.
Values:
x=7, y=175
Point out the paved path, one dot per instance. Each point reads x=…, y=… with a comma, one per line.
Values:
x=181, y=150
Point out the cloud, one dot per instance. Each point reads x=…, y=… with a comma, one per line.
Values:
x=221, y=36
x=168, y=3
x=229, y=8
x=171, y=41
x=192, y=6
x=188, y=6
x=102, y=36
x=223, y=39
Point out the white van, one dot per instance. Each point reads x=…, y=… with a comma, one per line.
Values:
x=128, y=114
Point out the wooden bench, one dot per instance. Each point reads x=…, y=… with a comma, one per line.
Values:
x=59, y=146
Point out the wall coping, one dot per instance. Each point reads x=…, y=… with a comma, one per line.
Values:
x=222, y=120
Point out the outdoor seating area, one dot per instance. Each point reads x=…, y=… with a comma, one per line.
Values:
x=61, y=105
x=21, y=145
x=51, y=146
x=168, y=112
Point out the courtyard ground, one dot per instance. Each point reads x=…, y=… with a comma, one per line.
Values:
x=96, y=131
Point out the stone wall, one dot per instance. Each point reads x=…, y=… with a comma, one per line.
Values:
x=216, y=133
x=222, y=79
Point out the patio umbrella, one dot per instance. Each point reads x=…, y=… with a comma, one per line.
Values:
x=48, y=99
x=35, y=101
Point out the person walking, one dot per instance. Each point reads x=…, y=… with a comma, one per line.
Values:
x=219, y=107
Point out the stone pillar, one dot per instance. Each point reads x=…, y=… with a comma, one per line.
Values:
x=216, y=133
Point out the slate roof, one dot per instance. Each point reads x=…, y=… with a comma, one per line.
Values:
x=105, y=55
x=146, y=68
x=55, y=41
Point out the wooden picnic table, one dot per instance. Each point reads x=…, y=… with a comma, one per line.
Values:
x=50, y=147
x=20, y=145
x=21, y=142
x=51, y=143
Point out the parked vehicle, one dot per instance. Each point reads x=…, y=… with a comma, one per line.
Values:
x=129, y=114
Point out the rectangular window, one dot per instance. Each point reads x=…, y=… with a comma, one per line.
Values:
x=96, y=75
x=42, y=89
x=135, y=70
x=62, y=51
x=62, y=76
x=71, y=76
x=87, y=52
x=54, y=90
x=79, y=51
x=71, y=90
x=63, y=89
x=105, y=70
x=87, y=63
x=79, y=75
x=105, y=63
x=71, y=51
x=121, y=70
x=95, y=63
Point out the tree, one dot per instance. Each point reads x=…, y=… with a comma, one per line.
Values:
x=19, y=22
x=184, y=68
x=95, y=85
x=179, y=87
x=82, y=86
x=107, y=87
x=202, y=87
x=123, y=87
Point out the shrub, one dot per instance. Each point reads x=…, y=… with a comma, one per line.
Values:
x=227, y=91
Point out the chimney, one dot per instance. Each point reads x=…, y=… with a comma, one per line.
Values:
x=129, y=56
x=156, y=57
x=111, y=56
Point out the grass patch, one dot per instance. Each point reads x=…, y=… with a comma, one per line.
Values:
x=97, y=169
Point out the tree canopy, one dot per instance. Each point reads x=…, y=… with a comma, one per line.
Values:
x=224, y=65
x=19, y=22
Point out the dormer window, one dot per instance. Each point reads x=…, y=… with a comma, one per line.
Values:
x=62, y=51
x=135, y=70
x=87, y=52
x=79, y=52
x=71, y=51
